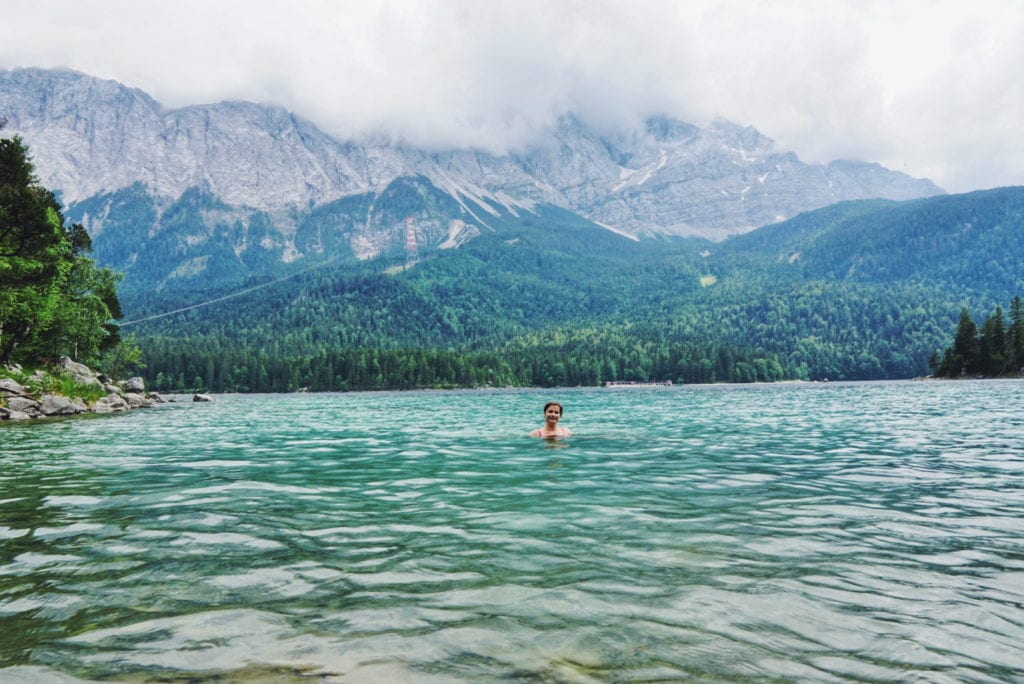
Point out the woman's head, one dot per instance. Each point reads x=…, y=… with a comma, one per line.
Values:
x=554, y=404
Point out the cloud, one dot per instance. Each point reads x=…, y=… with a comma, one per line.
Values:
x=929, y=87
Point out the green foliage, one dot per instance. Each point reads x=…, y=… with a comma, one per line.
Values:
x=572, y=359
x=123, y=359
x=996, y=350
x=53, y=300
x=66, y=386
x=973, y=240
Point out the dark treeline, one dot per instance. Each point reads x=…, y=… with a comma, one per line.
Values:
x=209, y=365
x=469, y=323
x=996, y=350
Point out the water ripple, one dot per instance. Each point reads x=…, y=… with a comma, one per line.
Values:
x=840, y=532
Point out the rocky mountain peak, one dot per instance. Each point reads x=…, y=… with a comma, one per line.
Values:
x=91, y=136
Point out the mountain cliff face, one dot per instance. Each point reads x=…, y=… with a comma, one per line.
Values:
x=93, y=138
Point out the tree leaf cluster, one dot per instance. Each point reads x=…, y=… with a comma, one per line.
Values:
x=54, y=300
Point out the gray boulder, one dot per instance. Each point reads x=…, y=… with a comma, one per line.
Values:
x=136, y=400
x=56, y=405
x=136, y=385
x=9, y=387
x=11, y=414
x=111, y=403
x=81, y=373
x=201, y=397
x=18, y=403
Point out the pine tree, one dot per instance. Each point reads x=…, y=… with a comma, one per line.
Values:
x=1015, y=336
x=962, y=357
x=992, y=360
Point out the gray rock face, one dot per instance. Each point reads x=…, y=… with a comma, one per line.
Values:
x=89, y=137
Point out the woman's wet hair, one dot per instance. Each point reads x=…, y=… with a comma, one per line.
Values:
x=561, y=411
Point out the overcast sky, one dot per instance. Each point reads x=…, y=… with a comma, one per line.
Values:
x=931, y=88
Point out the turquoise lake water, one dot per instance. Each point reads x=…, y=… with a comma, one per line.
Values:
x=820, y=532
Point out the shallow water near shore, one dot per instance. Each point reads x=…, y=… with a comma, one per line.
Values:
x=863, y=531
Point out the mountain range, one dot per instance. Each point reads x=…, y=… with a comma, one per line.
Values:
x=255, y=247
x=94, y=138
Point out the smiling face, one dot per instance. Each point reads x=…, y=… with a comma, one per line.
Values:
x=552, y=412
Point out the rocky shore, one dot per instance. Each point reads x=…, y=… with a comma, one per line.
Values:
x=24, y=401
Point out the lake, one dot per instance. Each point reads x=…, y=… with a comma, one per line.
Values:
x=811, y=532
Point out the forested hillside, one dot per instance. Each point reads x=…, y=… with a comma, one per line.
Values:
x=970, y=243
x=855, y=291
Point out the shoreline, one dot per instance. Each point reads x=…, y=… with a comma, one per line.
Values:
x=69, y=389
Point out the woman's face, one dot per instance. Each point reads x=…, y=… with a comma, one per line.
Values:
x=552, y=413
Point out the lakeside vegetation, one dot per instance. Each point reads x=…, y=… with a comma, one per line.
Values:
x=38, y=384
x=54, y=300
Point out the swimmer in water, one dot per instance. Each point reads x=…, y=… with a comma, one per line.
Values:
x=552, y=414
